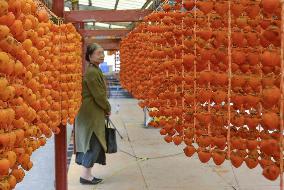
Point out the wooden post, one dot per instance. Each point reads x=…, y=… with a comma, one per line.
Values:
x=81, y=25
x=61, y=160
x=60, y=139
x=58, y=7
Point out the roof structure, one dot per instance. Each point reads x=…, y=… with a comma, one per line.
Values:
x=105, y=21
x=111, y=5
x=114, y=4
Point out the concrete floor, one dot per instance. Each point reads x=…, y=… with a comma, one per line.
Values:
x=167, y=169
x=42, y=174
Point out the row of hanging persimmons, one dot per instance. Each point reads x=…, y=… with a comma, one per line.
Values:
x=40, y=83
x=221, y=107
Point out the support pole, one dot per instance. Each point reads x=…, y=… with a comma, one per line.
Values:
x=58, y=7
x=61, y=159
x=60, y=139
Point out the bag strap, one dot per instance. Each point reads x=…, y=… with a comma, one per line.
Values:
x=107, y=122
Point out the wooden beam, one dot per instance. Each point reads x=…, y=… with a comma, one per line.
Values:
x=85, y=7
x=107, y=44
x=115, y=8
x=106, y=15
x=110, y=46
x=112, y=32
x=124, y=24
x=101, y=41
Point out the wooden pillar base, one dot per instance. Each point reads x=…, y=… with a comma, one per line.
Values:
x=61, y=159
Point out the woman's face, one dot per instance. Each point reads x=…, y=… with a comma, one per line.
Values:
x=98, y=56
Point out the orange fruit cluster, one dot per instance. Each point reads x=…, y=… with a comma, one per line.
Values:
x=40, y=83
x=211, y=71
x=71, y=69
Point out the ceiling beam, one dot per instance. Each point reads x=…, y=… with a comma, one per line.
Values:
x=114, y=32
x=90, y=27
x=121, y=25
x=124, y=24
x=115, y=8
x=107, y=44
x=106, y=15
x=85, y=7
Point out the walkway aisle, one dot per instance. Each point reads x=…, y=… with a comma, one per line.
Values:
x=41, y=176
x=178, y=172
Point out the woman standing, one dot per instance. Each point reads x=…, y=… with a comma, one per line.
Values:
x=90, y=121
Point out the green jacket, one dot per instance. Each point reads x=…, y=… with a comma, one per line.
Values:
x=91, y=116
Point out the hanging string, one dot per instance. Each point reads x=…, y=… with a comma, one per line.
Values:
x=60, y=77
x=176, y=71
x=42, y=5
x=161, y=4
x=195, y=53
x=282, y=95
x=209, y=87
x=229, y=77
x=183, y=74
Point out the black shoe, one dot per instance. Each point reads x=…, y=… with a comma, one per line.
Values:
x=98, y=178
x=93, y=182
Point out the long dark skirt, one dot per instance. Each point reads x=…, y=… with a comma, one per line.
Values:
x=94, y=155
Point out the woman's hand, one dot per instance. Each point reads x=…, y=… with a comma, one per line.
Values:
x=108, y=114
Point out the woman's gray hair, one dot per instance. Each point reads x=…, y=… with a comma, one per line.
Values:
x=90, y=50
